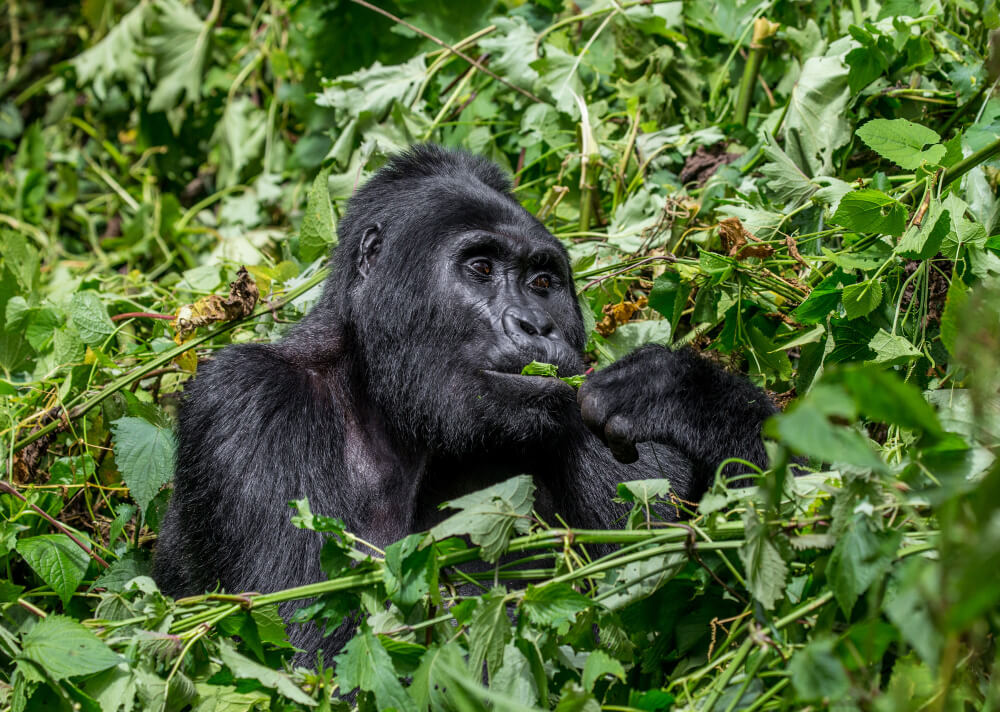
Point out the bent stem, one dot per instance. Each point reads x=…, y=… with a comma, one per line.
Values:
x=763, y=30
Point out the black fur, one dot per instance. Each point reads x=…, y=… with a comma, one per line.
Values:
x=390, y=396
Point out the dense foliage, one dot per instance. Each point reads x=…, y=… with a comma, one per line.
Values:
x=803, y=191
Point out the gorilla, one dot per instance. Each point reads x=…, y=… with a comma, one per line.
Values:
x=402, y=389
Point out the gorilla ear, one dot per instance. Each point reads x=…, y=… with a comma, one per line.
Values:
x=371, y=240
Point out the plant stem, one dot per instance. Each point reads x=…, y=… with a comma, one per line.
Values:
x=165, y=358
x=763, y=30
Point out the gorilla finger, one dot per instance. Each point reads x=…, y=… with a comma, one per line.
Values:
x=621, y=444
x=592, y=410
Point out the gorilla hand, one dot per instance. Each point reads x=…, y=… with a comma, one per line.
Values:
x=675, y=398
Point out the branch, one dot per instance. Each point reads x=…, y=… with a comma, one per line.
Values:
x=454, y=50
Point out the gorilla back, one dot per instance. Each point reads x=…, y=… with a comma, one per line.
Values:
x=402, y=389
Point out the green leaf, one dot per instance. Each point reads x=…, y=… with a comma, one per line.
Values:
x=64, y=648
x=923, y=241
x=537, y=368
x=783, y=179
x=860, y=299
x=954, y=310
x=319, y=230
x=816, y=122
x=57, y=560
x=246, y=669
x=410, y=572
x=90, y=318
x=859, y=558
x=180, y=47
x=119, y=55
x=902, y=142
x=364, y=664
x=134, y=562
x=766, y=569
x=816, y=672
x=869, y=211
x=515, y=679
x=597, y=666
x=884, y=397
x=145, y=457
x=892, y=350
x=554, y=605
x=489, y=631
x=490, y=516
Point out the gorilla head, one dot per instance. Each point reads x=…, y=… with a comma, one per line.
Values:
x=444, y=294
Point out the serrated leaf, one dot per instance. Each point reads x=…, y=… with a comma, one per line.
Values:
x=180, y=48
x=489, y=631
x=364, y=664
x=870, y=211
x=923, y=241
x=892, y=350
x=765, y=567
x=318, y=233
x=554, y=605
x=859, y=558
x=490, y=516
x=119, y=55
x=64, y=648
x=90, y=318
x=245, y=668
x=410, y=572
x=57, y=560
x=860, y=299
x=145, y=457
x=597, y=666
x=132, y=563
x=783, y=179
x=902, y=142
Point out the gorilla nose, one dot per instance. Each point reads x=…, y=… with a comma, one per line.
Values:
x=523, y=325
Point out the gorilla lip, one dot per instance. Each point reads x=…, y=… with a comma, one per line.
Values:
x=541, y=383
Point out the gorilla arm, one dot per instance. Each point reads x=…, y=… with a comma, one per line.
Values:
x=681, y=400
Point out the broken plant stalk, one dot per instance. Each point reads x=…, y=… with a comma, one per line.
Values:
x=763, y=30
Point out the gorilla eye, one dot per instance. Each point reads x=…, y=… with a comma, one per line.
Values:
x=483, y=267
x=542, y=281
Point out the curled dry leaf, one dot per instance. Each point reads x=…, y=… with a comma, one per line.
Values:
x=243, y=294
x=740, y=242
x=617, y=314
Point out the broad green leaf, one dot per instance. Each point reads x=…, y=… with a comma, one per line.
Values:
x=816, y=672
x=597, y=666
x=410, y=572
x=554, y=605
x=638, y=579
x=246, y=669
x=134, y=562
x=860, y=299
x=766, y=570
x=119, y=55
x=954, y=310
x=318, y=232
x=816, y=122
x=902, y=142
x=490, y=516
x=923, y=241
x=515, y=679
x=883, y=396
x=868, y=210
x=783, y=179
x=57, y=560
x=64, y=648
x=90, y=318
x=512, y=49
x=180, y=47
x=364, y=664
x=892, y=350
x=145, y=457
x=859, y=558
x=806, y=429
x=489, y=631
x=537, y=368
x=373, y=90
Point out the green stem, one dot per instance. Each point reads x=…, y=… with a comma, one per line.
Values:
x=166, y=357
x=762, y=32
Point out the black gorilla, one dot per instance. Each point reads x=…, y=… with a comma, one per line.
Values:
x=401, y=390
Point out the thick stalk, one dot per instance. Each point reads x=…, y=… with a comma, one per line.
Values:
x=763, y=30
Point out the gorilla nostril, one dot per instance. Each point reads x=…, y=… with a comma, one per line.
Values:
x=527, y=327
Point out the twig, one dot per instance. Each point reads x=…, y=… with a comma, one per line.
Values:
x=666, y=258
x=147, y=315
x=454, y=50
x=4, y=487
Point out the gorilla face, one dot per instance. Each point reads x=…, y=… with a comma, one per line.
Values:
x=448, y=316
